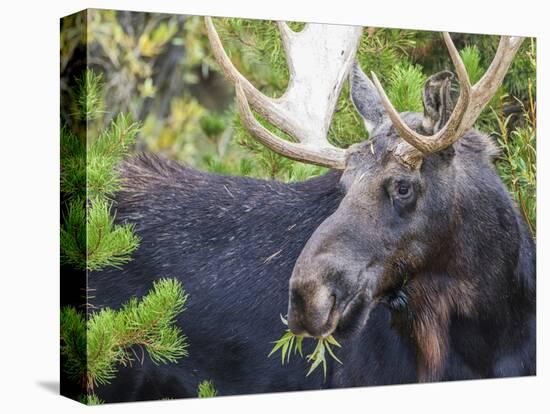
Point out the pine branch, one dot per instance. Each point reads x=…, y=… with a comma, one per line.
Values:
x=89, y=177
x=73, y=234
x=206, y=389
x=90, y=239
x=405, y=87
x=93, y=351
x=73, y=343
x=88, y=96
x=105, y=152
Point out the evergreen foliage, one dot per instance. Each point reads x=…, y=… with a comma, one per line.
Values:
x=517, y=166
x=516, y=133
x=381, y=50
x=89, y=238
x=73, y=343
x=405, y=87
x=88, y=100
x=206, y=389
x=95, y=343
x=472, y=61
x=90, y=399
x=290, y=344
x=105, y=152
x=95, y=348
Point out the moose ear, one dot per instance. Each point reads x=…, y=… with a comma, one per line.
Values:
x=438, y=104
x=365, y=98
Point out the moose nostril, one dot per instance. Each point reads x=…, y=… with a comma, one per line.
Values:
x=297, y=300
x=331, y=305
x=315, y=317
x=333, y=298
x=296, y=326
x=296, y=312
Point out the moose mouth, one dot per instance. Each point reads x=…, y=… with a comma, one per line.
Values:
x=348, y=315
x=355, y=314
x=322, y=314
x=352, y=315
x=351, y=307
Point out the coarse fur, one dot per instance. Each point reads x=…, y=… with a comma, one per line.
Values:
x=438, y=285
x=442, y=244
x=232, y=242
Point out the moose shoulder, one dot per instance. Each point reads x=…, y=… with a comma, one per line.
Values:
x=232, y=242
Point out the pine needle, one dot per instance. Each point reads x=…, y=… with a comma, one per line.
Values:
x=291, y=344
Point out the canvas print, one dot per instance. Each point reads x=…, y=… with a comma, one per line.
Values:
x=253, y=206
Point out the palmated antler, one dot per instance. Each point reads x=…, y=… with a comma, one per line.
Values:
x=319, y=59
x=470, y=103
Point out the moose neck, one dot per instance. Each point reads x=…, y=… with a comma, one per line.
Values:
x=485, y=284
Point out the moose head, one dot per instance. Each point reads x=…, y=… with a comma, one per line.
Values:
x=402, y=188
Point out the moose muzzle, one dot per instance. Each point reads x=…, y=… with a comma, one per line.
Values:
x=313, y=309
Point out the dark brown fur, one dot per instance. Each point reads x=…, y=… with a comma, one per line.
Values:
x=441, y=243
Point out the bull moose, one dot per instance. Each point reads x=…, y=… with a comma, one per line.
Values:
x=410, y=249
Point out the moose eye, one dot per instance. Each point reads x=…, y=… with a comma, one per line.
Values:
x=403, y=189
x=403, y=196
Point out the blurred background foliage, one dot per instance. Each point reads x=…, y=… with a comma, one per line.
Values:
x=159, y=68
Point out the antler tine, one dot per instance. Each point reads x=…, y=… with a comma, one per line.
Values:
x=261, y=103
x=487, y=86
x=470, y=103
x=331, y=157
x=286, y=35
x=319, y=59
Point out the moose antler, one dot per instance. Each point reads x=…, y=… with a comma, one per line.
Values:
x=319, y=59
x=470, y=103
